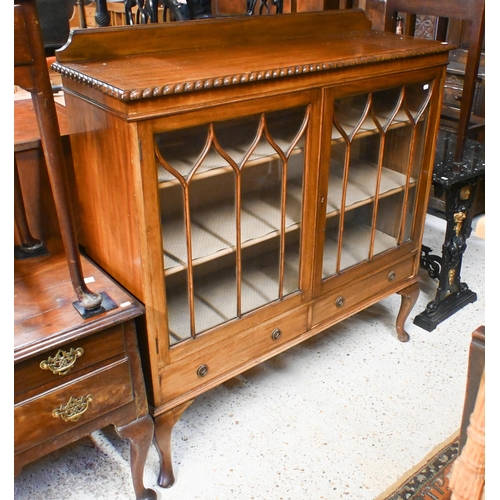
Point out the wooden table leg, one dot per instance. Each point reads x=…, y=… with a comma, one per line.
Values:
x=164, y=424
x=29, y=244
x=409, y=296
x=140, y=434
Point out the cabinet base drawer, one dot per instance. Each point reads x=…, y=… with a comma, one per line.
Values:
x=232, y=355
x=348, y=298
x=53, y=413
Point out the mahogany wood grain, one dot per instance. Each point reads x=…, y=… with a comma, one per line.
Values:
x=97, y=352
x=37, y=283
x=211, y=33
x=28, y=242
x=26, y=131
x=110, y=388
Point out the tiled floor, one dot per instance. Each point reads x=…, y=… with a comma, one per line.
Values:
x=341, y=416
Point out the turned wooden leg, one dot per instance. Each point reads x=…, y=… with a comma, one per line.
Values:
x=140, y=434
x=164, y=424
x=409, y=296
x=28, y=243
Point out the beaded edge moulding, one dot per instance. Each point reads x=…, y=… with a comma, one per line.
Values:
x=209, y=83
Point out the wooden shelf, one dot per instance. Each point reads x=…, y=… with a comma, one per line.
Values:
x=213, y=229
x=355, y=247
x=362, y=183
x=215, y=295
x=349, y=120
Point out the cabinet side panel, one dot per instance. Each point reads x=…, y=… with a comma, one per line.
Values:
x=105, y=160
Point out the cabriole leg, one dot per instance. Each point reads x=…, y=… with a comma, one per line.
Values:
x=409, y=296
x=139, y=434
x=164, y=424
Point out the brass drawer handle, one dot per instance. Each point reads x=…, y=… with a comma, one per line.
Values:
x=73, y=409
x=276, y=334
x=340, y=301
x=62, y=362
x=391, y=276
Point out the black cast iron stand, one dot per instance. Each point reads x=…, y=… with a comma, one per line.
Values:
x=457, y=182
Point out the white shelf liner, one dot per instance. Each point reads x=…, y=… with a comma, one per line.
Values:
x=355, y=247
x=215, y=296
x=361, y=183
x=214, y=229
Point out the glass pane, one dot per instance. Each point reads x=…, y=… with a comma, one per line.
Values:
x=231, y=208
x=375, y=160
x=417, y=97
x=352, y=183
x=393, y=176
x=271, y=211
x=214, y=285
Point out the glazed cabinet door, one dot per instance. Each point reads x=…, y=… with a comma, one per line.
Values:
x=374, y=155
x=231, y=191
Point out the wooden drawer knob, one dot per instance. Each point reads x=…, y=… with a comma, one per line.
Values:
x=62, y=362
x=202, y=370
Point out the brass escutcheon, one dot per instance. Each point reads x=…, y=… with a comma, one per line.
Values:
x=202, y=370
x=340, y=301
x=62, y=362
x=73, y=409
x=276, y=334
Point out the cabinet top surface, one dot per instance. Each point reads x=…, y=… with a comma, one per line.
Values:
x=136, y=62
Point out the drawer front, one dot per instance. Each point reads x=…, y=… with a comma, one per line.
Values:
x=352, y=296
x=64, y=363
x=221, y=360
x=43, y=417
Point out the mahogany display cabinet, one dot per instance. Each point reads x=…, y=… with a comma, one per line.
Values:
x=252, y=181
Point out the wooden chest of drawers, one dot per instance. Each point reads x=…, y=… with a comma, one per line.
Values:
x=73, y=376
x=87, y=388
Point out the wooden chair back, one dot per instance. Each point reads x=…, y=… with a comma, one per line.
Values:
x=31, y=74
x=452, y=21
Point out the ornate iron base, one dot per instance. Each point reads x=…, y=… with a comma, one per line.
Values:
x=429, y=320
x=457, y=182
